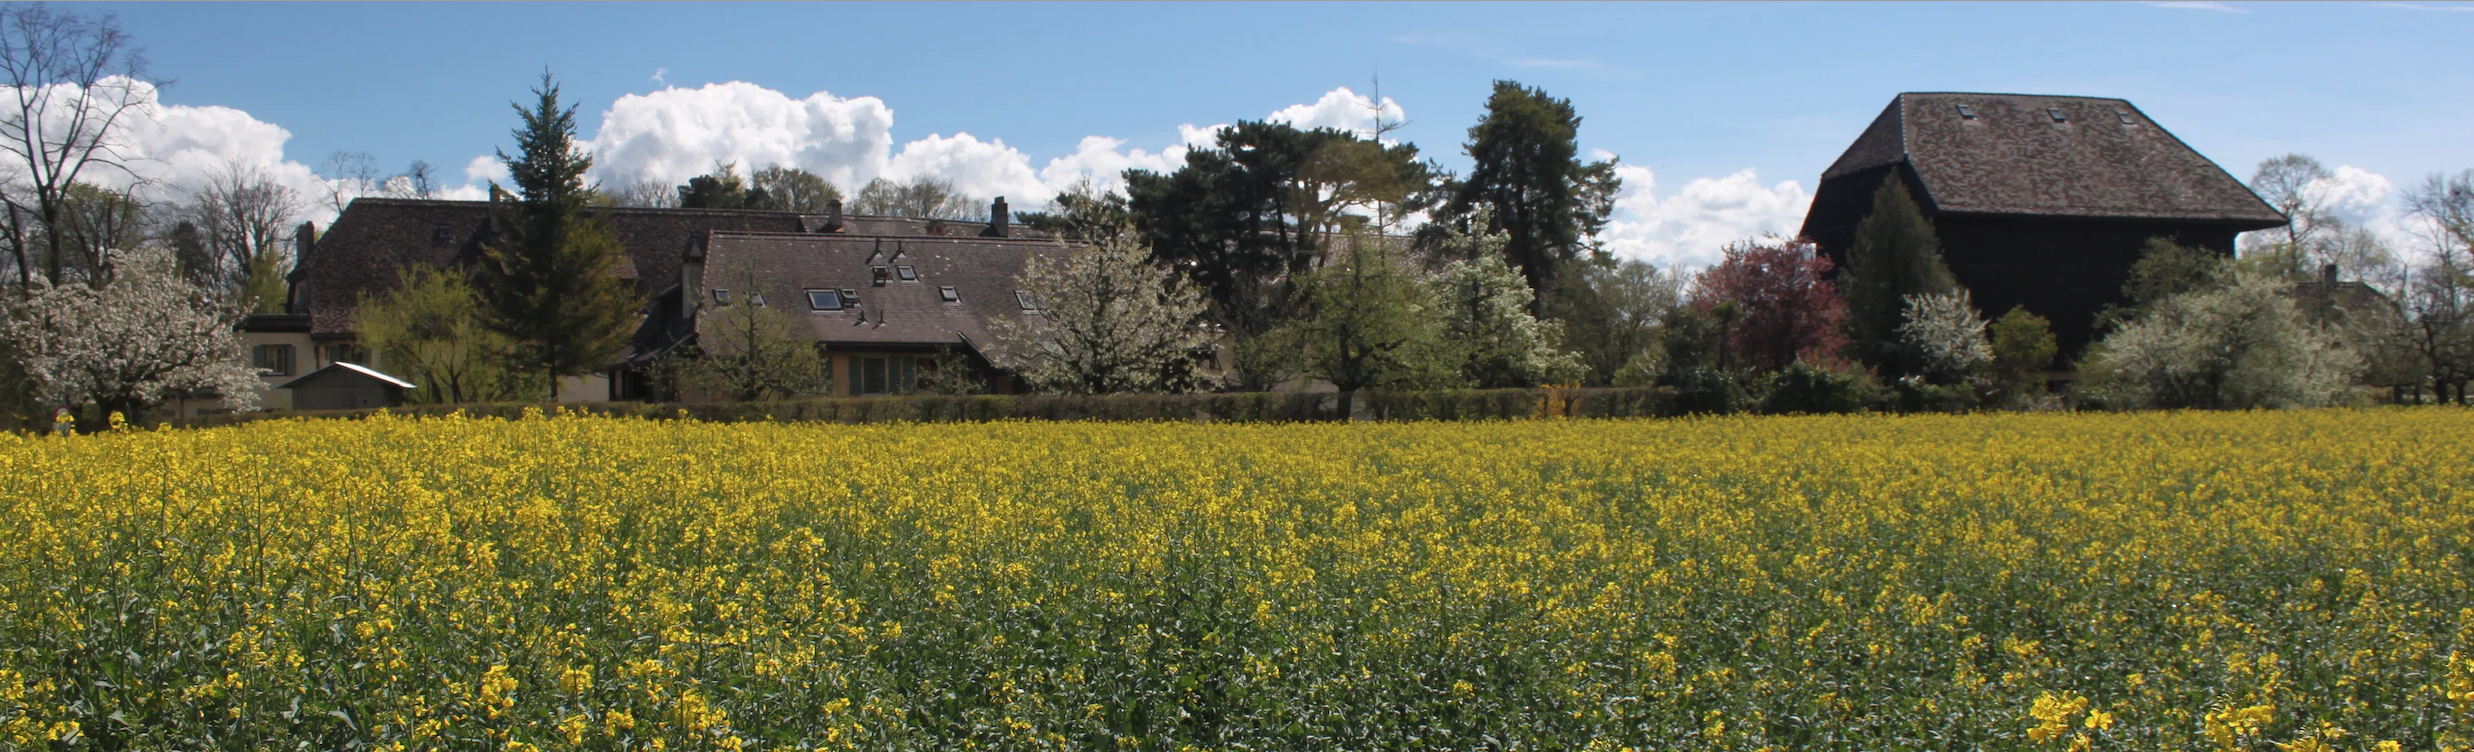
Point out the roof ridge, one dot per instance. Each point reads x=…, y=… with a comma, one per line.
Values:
x=1904, y=94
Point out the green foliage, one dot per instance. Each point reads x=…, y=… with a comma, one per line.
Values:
x=1806, y=388
x=429, y=331
x=779, y=188
x=2023, y=347
x=720, y=189
x=1895, y=255
x=1368, y=321
x=953, y=372
x=2164, y=269
x=2239, y=345
x=1527, y=169
x=1083, y=212
x=550, y=280
x=747, y=350
x=1485, y=307
x=1613, y=314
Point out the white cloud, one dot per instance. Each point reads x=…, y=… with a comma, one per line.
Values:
x=1098, y=159
x=675, y=134
x=979, y=169
x=1343, y=109
x=1694, y=226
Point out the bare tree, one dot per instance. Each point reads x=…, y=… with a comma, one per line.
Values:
x=245, y=221
x=644, y=193
x=350, y=175
x=2440, y=290
x=76, y=79
x=417, y=181
x=2285, y=183
x=920, y=198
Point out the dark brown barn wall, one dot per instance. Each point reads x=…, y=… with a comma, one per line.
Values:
x=2064, y=270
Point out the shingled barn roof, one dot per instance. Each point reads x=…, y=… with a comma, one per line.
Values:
x=2011, y=154
x=376, y=237
x=901, y=312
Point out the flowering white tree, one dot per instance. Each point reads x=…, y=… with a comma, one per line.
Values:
x=1109, y=321
x=1486, y=315
x=1946, y=329
x=2241, y=345
x=128, y=345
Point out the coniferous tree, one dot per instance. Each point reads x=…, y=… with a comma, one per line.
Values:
x=549, y=279
x=1895, y=255
x=1528, y=170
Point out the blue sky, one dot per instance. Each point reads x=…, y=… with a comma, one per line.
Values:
x=1680, y=92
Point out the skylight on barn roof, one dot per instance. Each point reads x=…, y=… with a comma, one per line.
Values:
x=2056, y=114
x=1967, y=112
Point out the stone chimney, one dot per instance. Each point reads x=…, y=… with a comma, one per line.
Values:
x=833, y=215
x=2328, y=274
x=1000, y=221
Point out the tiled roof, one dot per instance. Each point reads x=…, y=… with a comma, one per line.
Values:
x=902, y=312
x=376, y=237
x=2103, y=158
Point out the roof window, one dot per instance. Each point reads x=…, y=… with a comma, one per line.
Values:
x=824, y=300
x=756, y=299
x=721, y=296
x=1028, y=302
x=947, y=294
x=442, y=233
x=2056, y=114
x=1967, y=112
x=907, y=272
x=2125, y=116
x=877, y=276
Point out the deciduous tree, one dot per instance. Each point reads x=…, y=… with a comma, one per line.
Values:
x=429, y=330
x=129, y=344
x=1109, y=320
x=1784, y=308
x=748, y=350
x=75, y=80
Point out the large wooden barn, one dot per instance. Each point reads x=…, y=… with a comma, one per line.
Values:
x=2039, y=201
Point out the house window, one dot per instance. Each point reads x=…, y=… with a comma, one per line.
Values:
x=2056, y=114
x=442, y=234
x=1967, y=112
x=721, y=297
x=877, y=276
x=1024, y=297
x=886, y=375
x=824, y=300
x=907, y=272
x=948, y=294
x=346, y=353
x=271, y=360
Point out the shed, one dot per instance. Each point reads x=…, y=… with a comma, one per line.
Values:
x=346, y=386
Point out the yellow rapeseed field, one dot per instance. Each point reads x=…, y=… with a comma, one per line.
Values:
x=2248, y=581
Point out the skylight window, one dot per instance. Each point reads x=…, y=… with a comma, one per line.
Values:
x=1024, y=297
x=1967, y=112
x=756, y=299
x=2056, y=114
x=721, y=296
x=824, y=300
x=877, y=276
x=907, y=272
x=441, y=233
x=2125, y=118
x=948, y=294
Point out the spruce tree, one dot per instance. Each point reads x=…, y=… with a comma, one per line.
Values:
x=549, y=279
x=1895, y=255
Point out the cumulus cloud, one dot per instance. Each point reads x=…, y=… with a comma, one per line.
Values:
x=1099, y=160
x=1343, y=109
x=675, y=134
x=1693, y=227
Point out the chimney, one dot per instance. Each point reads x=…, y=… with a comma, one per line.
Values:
x=833, y=215
x=304, y=238
x=691, y=276
x=1000, y=221
x=2328, y=274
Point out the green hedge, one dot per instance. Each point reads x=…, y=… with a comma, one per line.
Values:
x=1241, y=407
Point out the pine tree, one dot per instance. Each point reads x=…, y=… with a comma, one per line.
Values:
x=549, y=280
x=1528, y=171
x=1895, y=255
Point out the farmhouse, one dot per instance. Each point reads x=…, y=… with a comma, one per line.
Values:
x=375, y=239
x=2039, y=201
